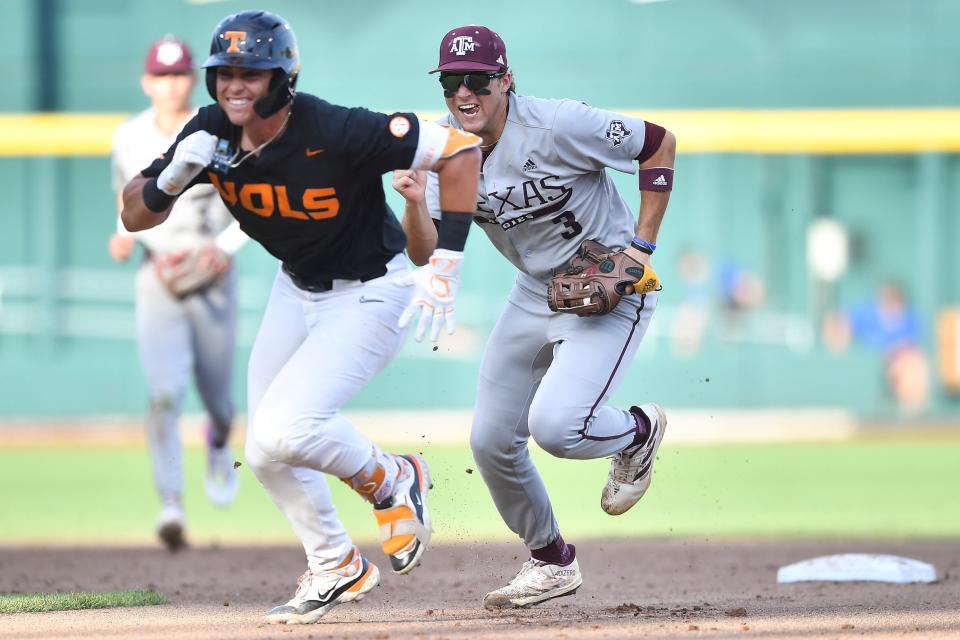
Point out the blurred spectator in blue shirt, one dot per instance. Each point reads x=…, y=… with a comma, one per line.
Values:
x=890, y=325
x=886, y=322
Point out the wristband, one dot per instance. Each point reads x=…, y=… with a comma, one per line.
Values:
x=642, y=245
x=155, y=199
x=656, y=179
x=453, y=230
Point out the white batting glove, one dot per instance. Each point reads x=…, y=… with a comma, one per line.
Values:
x=437, y=283
x=190, y=157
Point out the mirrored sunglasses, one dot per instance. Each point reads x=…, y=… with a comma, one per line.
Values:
x=475, y=81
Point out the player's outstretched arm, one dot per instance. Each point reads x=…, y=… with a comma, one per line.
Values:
x=459, y=175
x=136, y=216
x=147, y=201
x=629, y=271
x=656, y=181
x=417, y=224
x=438, y=280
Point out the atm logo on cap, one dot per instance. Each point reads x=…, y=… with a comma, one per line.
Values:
x=235, y=38
x=461, y=45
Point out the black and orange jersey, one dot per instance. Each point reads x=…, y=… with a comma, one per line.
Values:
x=314, y=196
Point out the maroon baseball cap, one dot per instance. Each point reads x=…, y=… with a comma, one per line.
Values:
x=472, y=48
x=168, y=55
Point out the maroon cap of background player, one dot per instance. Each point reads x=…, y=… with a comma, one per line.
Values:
x=168, y=55
x=472, y=48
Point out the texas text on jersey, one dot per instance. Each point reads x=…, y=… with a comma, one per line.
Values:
x=326, y=218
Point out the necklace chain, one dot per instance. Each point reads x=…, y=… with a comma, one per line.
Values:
x=233, y=165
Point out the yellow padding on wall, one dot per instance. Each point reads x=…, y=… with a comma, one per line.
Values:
x=826, y=131
x=813, y=131
x=58, y=134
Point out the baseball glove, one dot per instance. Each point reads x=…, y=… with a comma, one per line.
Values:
x=588, y=254
x=597, y=279
x=192, y=271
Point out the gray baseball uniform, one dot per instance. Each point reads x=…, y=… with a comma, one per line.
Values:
x=178, y=339
x=543, y=190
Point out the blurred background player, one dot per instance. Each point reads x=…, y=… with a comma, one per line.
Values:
x=544, y=374
x=304, y=178
x=181, y=334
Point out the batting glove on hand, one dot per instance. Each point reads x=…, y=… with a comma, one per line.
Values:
x=436, y=285
x=190, y=157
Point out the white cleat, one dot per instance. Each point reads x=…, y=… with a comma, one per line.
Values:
x=317, y=593
x=632, y=469
x=171, y=526
x=537, y=581
x=221, y=481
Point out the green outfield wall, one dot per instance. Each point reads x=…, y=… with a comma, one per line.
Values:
x=618, y=53
x=785, y=112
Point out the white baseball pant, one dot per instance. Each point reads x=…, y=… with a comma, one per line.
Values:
x=313, y=352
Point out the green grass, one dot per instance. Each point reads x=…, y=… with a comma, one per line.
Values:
x=39, y=602
x=882, y=489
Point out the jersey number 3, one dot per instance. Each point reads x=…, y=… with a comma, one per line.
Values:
x=570, y=223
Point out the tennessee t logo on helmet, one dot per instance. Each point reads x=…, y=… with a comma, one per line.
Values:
x=235, y=37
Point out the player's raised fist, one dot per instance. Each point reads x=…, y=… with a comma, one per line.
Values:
x=410, y=184
x=190, y=157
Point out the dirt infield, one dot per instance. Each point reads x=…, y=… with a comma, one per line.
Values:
x=671, y=588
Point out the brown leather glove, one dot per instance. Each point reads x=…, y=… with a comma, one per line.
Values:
x=192, y=271
x=596, y=281
x=588, y=254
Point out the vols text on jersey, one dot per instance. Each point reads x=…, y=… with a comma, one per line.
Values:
x=263, y=199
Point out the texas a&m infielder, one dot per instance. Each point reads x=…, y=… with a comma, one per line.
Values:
x=583, y=298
